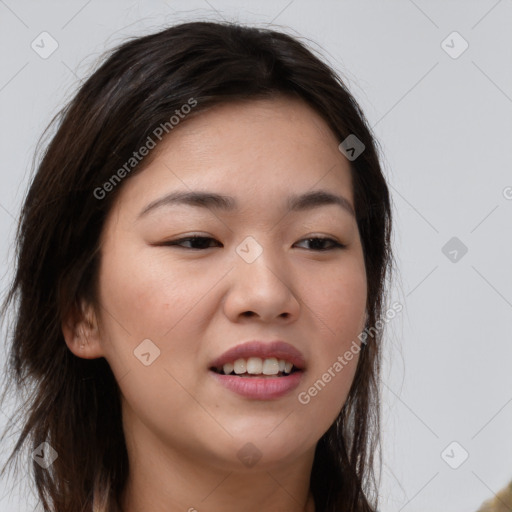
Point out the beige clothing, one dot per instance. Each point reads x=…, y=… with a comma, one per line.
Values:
x=502, y=502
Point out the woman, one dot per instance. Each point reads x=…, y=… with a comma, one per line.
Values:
x=201, y=271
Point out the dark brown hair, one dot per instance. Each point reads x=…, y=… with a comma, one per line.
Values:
x=73, y=403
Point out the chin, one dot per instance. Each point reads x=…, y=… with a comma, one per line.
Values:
x=264, y=449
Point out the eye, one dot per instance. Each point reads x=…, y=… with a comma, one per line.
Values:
x=200, y=242
x=320, y=241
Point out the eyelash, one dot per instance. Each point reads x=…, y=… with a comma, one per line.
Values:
x=335, y=243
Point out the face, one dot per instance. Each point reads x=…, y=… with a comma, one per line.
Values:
x=170, y=308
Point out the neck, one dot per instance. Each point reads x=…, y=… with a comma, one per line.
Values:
x=227, y=496
x=162, y=479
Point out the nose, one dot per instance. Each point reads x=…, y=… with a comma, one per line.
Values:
x=261, y=289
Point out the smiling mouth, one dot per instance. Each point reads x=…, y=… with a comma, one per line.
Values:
x=257, y=367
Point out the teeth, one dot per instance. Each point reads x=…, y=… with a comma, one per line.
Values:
x=270, y=366
x=258, y=366
x=228, y=368
x=240, y=366
x=254, y=365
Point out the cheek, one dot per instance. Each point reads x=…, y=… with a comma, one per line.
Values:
x=338, y=301
x=150, y=296
x=338, y=304
x=150, y=300
x=146, y=296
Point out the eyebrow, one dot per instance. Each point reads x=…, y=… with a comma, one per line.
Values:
x=212, y=200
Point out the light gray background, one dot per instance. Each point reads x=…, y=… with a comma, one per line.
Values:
x=445, y=126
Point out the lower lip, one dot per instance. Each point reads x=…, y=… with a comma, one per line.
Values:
x=260, y=388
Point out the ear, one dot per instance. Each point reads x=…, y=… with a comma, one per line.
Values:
x=81, y=332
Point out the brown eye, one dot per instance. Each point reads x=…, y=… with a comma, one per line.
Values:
x=319, y=242
x=196, y=242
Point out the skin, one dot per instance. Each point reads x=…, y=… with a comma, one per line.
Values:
x=183, y=430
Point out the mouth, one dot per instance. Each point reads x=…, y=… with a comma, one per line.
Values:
x=260, y=371
x=257, y=367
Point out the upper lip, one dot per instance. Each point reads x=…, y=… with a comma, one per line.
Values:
x=278, y=349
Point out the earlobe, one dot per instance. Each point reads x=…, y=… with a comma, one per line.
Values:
x=81, y=333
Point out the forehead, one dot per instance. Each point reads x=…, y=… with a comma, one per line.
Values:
x=256, y=151
x=280, y=125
